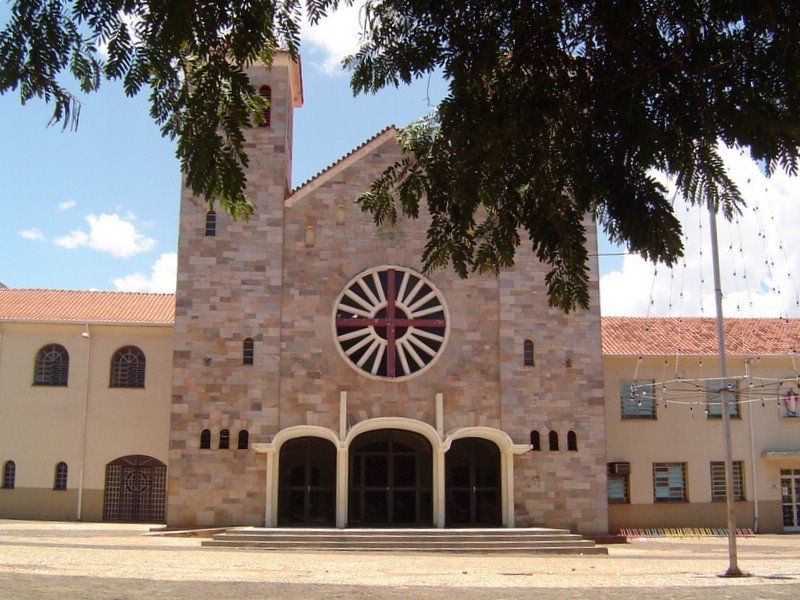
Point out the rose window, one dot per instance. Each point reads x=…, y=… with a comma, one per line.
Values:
x=390, y=323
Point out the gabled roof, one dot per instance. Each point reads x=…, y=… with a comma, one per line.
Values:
x=640, y=336
x=331, y=170
x=65, y=306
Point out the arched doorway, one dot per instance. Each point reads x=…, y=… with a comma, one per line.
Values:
x=390, y=479
x=307, y=483
x=473, y=492
x=135, y=489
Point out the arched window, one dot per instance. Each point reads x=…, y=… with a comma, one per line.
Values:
x=60, y=482
x=211, y=222
x=266, y=92
x=127, y=368
x=572, y=441
x=224, y=439
x=553, y=437
x=247, y=351
x=52, y=366
x=527, y=353
x=244, y=440
x=9, y=474
x=535, y=442
x=205, y=439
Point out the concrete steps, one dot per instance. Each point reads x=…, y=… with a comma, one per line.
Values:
x=505, y=540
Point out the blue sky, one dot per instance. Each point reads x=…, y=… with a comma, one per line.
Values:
x=97, y=208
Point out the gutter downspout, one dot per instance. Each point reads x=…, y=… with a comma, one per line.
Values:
x=84, y=416
x=753, y=465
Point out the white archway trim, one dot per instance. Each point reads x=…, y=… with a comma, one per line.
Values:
x=298, y=431
x=425, y=430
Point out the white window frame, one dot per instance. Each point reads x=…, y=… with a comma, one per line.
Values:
x=637, y=399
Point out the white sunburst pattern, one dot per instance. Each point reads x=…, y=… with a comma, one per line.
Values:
x=390, y=323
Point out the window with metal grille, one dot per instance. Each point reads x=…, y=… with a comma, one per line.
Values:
x=247, y=351
x=527, y=353
x=669, y=482
x=718, y=481
x=9, y=474
x=224, y=439
x=553, y=439
x=205, y=439
x=60, y=482
x=618, y=487
x=536, y=443
x=211, y=223
x=266, y=92
x=572, y=441
x=714, y=389
x=127, y=368
x=52, y=366
x=244, y=440
x=637, y=399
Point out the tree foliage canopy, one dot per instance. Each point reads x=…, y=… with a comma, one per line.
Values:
x=555, y=108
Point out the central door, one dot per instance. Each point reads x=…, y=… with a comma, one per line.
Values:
x=307, y=483
x=390, y=479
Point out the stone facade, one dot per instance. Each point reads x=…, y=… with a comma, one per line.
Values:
x=276, y=280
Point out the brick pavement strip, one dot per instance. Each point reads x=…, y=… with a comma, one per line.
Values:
x=90, y=560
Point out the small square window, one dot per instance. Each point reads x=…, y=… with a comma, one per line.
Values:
x=637, y=399
x=669, y=482
x=714, y=389
x=718, y=481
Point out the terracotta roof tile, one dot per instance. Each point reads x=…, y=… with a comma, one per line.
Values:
x=93, y=307
x=650, y=336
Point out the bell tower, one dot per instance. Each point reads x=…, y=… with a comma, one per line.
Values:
x=227, y=326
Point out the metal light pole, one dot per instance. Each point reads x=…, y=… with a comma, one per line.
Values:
x=733, y=567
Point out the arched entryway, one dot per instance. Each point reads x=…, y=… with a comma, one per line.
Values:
x=390, y=479
x=307, y=483
x=473, y=493
x=135, y=489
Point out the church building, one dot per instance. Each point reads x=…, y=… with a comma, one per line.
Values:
x=366, y=391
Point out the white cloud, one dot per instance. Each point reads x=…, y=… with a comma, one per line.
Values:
x=759, y=252
x=162, y=277
x=109, y=233
x=31, y=234
x=62, y=206
x=334, y=37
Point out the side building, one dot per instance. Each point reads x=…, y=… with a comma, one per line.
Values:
x=85, y=383
x=665, y=448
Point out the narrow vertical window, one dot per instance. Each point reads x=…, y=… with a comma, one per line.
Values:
x=224, y=439
x=9, y=474
x=527, y=353
x=211, y=223
x=52, y=366
x=536, y=443
x=619, y=483
x=718, y=481
x=205, y=439
x=247, y=351
x=553, y=438
x=244, y=440
x=572, y=441
x=60, y=482
x=266, y=92
x=127, y=368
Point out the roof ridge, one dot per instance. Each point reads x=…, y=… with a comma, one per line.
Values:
x=341, y=159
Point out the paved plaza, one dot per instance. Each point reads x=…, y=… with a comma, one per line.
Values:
x=91, y=560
